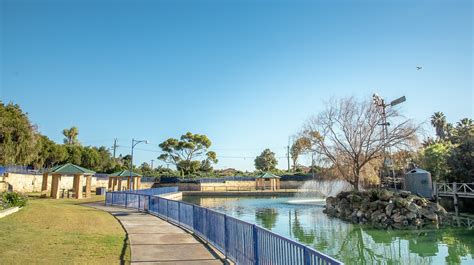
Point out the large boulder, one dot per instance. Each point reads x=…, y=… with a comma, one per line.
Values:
x=412, y=207
x=430, y=215
x=389, y=208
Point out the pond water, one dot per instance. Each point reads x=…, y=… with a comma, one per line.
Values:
x=352, y=244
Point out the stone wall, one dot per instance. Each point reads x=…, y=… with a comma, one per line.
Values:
x=33, y=182
x=228, y=185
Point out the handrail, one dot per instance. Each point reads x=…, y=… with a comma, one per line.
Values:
x=240, y=241
x=455, y=187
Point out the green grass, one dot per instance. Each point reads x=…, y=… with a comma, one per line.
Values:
x=61, y=231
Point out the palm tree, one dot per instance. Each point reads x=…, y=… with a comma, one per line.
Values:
x=438, y=120
x=465, y=123
x=71, y=135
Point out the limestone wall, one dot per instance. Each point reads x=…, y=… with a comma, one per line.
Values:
x=229, y=186
x=33, y=182
x=105, y=184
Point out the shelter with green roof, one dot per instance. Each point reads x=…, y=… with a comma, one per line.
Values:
x=267, y=181
x=68, y=170
x=133, y=180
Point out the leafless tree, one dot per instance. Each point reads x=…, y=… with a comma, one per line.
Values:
x=348, y=135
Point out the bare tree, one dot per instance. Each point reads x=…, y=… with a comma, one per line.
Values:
x=348, y=135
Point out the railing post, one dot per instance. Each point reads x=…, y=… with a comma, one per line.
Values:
x=149, y=203
x=226, y=238
x=255, y=244
x=112, y=203
x=139, y=196
x=167, y=211
x=126, y=200
x=194, y=220
x=307, y=258
x=179, y=213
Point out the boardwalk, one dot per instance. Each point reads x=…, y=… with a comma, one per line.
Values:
x=154, y=241
x=462, y=190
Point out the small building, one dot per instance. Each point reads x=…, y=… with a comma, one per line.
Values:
x=133, y=181
x=418, y=181
x=68, y=170
x=267, y=181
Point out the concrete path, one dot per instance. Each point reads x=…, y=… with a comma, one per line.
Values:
x=155, y=241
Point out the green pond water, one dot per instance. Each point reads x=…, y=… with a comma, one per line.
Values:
x=352, y=244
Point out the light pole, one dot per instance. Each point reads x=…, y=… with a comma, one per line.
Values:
x=380, y=104
x=134, y=142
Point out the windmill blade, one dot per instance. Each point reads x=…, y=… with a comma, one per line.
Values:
x=398, y=101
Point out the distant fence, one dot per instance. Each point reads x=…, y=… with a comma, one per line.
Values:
x=239, y=241
x=224, y=179
x=19, y=170
x=175, y=179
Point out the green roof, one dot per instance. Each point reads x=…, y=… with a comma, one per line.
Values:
x=124, y=173
x=70, y=169
x=268, y=175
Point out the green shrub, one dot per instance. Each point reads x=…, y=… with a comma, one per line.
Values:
x=12, y=199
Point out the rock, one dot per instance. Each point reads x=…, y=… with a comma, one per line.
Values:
x=342, y=205
x=400, y=202
x=398, y=218
x=389, y=209
x=417, y=222
x=374, y=205
x=420, y=201
x=385, y=195
x=378, y=216
x=385, y=209
x=410, y=216
x=354, y=198
x=412, y=207
x=382, y=205
x=404, y=193
x=343, y=194
x=330, y=202
x=429, y=214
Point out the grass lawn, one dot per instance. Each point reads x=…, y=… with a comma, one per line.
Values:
x=61, y=231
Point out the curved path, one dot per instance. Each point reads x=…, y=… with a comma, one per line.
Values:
x=155, y=241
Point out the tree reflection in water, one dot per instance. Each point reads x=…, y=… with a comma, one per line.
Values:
x=355, y=244
x=266, y=217
x=352, y=244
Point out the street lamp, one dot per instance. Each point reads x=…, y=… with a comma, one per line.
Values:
x=380, y=104
x=134, y=143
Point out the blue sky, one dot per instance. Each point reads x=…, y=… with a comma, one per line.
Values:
x=246, y=73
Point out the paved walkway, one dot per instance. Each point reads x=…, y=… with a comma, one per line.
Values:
x=155, y=241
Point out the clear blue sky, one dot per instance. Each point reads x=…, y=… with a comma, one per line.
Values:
x=246, y=73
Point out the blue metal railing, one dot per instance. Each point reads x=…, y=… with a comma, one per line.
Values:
x=239, y=241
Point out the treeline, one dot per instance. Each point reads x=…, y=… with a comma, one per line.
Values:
x=22, y=144
x=450, y=155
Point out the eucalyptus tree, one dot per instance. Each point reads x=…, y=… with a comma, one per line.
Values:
x=188, y=153
x=300, y=146
x=266, y=161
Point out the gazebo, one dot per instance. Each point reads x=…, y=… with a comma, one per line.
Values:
x=267, y=181
x=115, y=180
x=67, y=170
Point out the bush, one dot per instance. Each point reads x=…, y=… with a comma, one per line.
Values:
x=12, y=199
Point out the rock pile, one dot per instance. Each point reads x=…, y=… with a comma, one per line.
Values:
x=383, y=208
